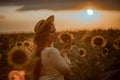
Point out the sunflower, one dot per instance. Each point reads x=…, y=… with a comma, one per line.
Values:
x=27, y=43
x=116, y=44
x=5, y=38
x=73, y=46
x=65, y=37
x=1, y=45
x=11, y=46
x=73, y=50
x=105, y=51
x=82, y=52
x=98, y=41
x=19, y=43
x=16, y=75
x=18, y=57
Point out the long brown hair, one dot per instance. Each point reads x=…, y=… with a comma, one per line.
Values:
x=39, y=40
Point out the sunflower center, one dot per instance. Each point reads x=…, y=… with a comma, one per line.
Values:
x=98, y=41
x=19, y=44
x=19, y=57
x=66, y=38
x=81, y=52
x=26, y=44
x=11, y=46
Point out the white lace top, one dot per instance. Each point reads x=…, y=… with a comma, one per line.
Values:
x=54, y=67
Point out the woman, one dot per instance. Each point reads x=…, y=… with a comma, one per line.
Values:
x=50, y=65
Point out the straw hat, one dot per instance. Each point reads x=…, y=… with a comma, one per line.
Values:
x=39, y=26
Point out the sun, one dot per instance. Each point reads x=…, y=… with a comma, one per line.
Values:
x=89, y=15
x=90, y=12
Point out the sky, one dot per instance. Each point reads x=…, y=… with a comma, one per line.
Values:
x=22, y=15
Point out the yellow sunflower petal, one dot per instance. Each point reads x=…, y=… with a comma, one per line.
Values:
x=98, y=41
x=18, y=57
x=82, y=52
x=65, y=37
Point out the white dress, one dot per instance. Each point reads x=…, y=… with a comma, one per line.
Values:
x=54, y=67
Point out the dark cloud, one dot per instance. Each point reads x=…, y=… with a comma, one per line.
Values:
x=50, y=6
x=62, y=4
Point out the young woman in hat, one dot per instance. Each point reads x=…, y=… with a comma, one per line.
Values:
x=50, y=65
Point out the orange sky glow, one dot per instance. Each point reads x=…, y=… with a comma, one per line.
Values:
x=78, y=19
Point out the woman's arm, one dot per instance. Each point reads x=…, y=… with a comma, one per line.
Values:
x=57, y=61
x=65, y=54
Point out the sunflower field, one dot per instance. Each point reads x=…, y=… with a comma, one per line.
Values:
x=94, y=55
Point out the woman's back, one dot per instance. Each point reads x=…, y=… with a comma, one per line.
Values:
x=53, y=65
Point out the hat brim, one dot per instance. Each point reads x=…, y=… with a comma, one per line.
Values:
x=42, y=23
x=50, y=19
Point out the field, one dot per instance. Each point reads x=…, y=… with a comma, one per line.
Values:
x=95, y=55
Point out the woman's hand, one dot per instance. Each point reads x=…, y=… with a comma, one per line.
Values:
x=66, y=48
x=67, y=45
x=65, y=52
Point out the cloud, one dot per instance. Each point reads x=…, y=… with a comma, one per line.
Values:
x=62, y=4
x=49, y=6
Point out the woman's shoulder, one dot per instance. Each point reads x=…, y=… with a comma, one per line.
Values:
x=50, y=49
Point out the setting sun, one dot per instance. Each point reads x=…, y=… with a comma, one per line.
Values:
x=89, y=15
x=90, y=12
